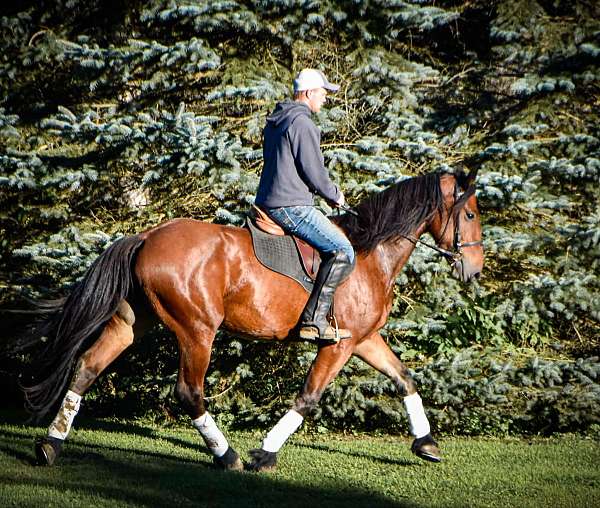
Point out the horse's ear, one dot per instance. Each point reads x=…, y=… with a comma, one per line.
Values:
x=472, y=176
x=463, y=178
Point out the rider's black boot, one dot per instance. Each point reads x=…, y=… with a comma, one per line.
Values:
x=313, y=322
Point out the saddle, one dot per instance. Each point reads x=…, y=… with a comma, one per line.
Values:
x=281, y=252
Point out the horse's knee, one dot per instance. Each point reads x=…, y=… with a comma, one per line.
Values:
x=191, y=399
x=306, y=403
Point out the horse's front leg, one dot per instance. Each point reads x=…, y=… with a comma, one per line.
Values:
x=329, y=361
x=378, y=354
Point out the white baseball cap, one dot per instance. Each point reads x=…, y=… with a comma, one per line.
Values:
x=308, y=79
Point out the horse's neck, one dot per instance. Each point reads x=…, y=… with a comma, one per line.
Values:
x=393, y=255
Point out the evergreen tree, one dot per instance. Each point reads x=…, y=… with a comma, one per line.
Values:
x=114, y=119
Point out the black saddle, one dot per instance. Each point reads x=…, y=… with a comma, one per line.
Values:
x=281, y=252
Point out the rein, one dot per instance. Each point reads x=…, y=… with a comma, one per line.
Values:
x=453, y=256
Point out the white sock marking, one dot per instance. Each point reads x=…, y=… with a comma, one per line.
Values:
x=213, y=437
x=284, y=428
x=419, y=425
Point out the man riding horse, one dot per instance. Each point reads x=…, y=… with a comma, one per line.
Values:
x=198, y=277
x=293, y=173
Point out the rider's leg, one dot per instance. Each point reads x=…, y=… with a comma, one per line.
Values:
x=337, y=254
x=334, y=269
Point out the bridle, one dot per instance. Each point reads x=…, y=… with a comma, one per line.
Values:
x=456, y=254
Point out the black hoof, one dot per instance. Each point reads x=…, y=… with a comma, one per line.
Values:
x=47, y=450
x=262, y=461
x=427, y=449
x=229, y=462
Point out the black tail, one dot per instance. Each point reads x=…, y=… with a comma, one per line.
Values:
x=72, y=321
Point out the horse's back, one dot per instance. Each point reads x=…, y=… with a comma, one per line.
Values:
x=210, y=271
x=184, y=245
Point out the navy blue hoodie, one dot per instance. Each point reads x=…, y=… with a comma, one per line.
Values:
x=293, y=169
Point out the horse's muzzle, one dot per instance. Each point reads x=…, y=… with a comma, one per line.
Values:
x=464, y=271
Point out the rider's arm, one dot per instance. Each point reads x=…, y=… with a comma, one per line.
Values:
x=305, y=139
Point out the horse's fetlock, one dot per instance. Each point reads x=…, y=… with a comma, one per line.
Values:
x=230, y=461
x=262, y=461
x=47, y=450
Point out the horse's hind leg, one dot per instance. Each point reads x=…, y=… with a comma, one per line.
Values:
x=193, y=364
x=378, y=354
x=114, y=339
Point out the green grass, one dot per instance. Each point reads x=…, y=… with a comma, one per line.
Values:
x=129, y=464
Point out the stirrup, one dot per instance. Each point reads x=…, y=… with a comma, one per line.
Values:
x=331, y=334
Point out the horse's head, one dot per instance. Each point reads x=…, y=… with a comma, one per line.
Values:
x=457, y=228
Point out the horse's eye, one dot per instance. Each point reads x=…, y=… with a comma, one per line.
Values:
x=470, y=215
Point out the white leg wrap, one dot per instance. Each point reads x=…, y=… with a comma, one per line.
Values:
x=213, y=437
x=279, y=434
x=61, y=425
x=419, y=425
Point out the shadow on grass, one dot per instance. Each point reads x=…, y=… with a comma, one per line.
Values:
x=84, y=422
x=144, y=481
x=375, y=458
x=73, y=450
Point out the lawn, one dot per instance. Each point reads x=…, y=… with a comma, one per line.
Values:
x=108, y=463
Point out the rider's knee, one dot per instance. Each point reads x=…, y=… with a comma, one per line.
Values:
x=346, y=256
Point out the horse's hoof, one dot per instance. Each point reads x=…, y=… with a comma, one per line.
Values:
x=427, y=449
x=230, y=461
x=47, y=450
x=262, y=461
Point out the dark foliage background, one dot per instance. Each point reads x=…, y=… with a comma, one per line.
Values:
x=116, y=116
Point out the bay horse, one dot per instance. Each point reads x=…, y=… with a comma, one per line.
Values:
x=196, y=277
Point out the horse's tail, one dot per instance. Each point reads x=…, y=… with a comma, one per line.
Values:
x=72, y=322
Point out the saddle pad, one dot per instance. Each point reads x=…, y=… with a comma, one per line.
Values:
x=279, y=253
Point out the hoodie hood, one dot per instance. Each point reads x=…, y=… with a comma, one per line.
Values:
x=286, y=112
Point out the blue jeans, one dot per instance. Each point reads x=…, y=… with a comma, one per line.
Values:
x=310, y=225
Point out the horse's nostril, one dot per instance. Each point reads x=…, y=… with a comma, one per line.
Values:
x=477, y=275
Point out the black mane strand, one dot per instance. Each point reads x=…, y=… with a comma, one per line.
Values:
x=397, y=210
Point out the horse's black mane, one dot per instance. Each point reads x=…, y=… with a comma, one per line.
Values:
x=397, y=210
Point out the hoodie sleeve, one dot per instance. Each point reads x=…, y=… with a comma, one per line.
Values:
x=305, y=140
